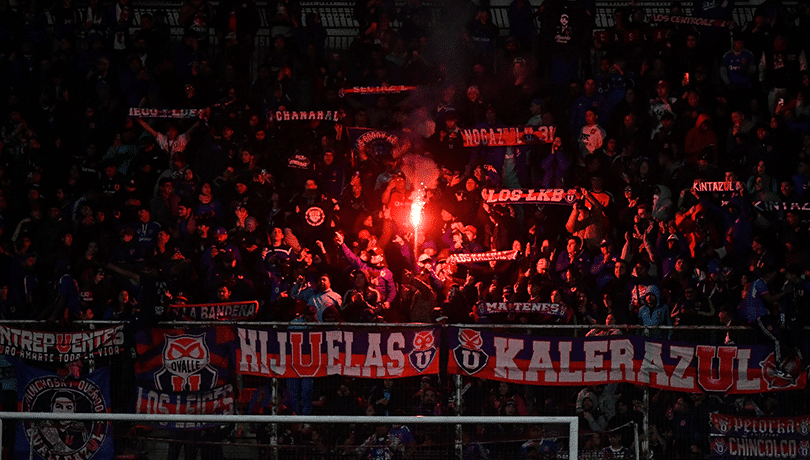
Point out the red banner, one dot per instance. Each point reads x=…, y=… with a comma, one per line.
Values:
x=717, y=187
x=760, y=427
x=375, y=90
x=165, y=113
x=227, y=311
x=767, y=437
x=286, y=115
x=638, y=360
x=514, y=135
x=482, y=257
x=310, y=353
x=531, y=196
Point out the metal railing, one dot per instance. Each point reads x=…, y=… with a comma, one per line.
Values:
x=573, y=422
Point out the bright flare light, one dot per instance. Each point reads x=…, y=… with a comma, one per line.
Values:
x=416, y=208
x=416, y=217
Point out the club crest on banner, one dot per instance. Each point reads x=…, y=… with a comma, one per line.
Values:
x=373, y=142
x=722, y=425
x=804, y=448
x=186, y=365
x=424, y=350
x=469, y=355
x=768, y=366
x=64, y=439
x=719, y=446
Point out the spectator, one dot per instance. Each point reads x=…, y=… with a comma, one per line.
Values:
x=360, y=297
x=320, y=296
x=755, y=309
x=654, y=312
x=172, y=142
x=388, y=398
x=610, y=320
x=588, y=223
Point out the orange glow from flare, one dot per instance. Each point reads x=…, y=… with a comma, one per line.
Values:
x=416, y=208
x=416, y=213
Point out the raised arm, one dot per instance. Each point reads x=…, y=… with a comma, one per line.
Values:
x=148, y=128
x=351, y=257
x=193, y=127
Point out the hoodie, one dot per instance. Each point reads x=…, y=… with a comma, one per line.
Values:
x=662, y=204
x=657, y=315
x=697, y=140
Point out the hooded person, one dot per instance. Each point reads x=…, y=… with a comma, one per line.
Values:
x=662, y=203
x=591, y=414
x=654, y=312
x=698, y=138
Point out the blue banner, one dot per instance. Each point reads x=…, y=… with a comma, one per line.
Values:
x=44, y=391
x=675, y=366
x=185, y=371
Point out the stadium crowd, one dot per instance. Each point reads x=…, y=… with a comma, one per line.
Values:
x=104, y=215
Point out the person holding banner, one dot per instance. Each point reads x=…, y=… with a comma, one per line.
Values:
x=610, y=320
x=589, y=224
x=172, y=142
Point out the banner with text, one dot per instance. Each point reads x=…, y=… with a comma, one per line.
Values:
x=165, y=113
x=61, y=347
x=638, y=360
x=482, y=257
x=692, y=21
x=781, y=206
x=313, y=115
x=43, y=391
x=184, y=371
x=227, y=311
x=766, y=437
x=717, y=187
x=539, y=308
x=373, y=142
x=531, y=196
x=352, y=353
x=508, y=136
x=393, y=89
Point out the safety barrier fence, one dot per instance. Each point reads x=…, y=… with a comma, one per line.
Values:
x=37, y=423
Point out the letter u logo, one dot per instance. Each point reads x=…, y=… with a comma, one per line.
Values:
x=311, y=368
x=469, y=359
